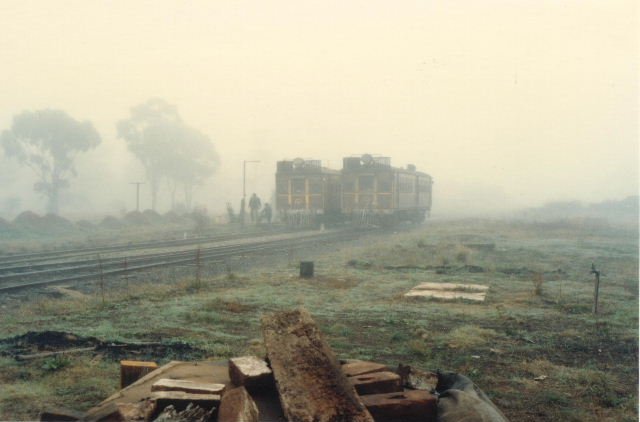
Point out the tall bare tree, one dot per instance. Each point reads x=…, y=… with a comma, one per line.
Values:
x=48, y=141
x=167, y=148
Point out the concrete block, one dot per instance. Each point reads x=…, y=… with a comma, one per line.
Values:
x=238, y=406
x=250, y=372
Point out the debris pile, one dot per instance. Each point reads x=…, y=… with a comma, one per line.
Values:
x=299, y=380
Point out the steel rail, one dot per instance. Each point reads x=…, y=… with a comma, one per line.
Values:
x=210, y=254
x=13, y=260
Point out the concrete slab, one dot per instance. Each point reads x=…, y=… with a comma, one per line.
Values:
x=451, y=286
x=447, y=295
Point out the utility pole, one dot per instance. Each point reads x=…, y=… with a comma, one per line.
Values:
x=137, y=194
x=244, y=189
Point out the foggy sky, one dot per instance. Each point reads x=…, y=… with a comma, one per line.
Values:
x=505, y=103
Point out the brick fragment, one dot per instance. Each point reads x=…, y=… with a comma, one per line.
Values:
x=407, y=406
x=192, y=387
x=250, y=372
x=377, y=383
x=133, y=370
x=238, y=406
x=361, y=367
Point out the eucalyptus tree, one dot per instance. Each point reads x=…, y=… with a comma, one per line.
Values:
x=48, y=141
x=167, y=148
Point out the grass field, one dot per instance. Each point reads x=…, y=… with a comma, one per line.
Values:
x=534, y=346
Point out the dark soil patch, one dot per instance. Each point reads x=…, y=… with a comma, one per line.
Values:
x=55, y=341
x=28, y=220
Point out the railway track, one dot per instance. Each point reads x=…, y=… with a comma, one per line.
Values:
x=45, y=274
x=32, y=259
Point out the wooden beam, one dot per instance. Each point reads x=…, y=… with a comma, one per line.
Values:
x=309, y=379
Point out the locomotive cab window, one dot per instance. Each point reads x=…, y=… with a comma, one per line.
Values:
x=365, y=183
x=348, y=186
x=315, y=186
x=385, y=181
x=297, y=186
x=282, y=186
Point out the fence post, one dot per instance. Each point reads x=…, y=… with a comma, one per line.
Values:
x=597, y=287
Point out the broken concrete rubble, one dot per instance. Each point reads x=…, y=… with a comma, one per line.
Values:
x=307, y=383
x=238, y=406
x=250, y=372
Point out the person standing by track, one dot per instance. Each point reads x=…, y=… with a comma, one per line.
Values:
x=254, y=206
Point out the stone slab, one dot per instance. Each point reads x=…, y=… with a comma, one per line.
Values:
x=168, y=384
x=250, y=372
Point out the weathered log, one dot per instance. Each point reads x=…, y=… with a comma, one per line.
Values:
x=309, y=380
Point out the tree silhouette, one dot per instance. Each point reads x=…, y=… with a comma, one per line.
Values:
x=167, y=148
x=47, y=141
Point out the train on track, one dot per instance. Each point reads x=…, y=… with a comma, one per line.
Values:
x=366, y=191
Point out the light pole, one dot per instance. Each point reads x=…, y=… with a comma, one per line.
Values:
x=137, y=194
x=244, y=188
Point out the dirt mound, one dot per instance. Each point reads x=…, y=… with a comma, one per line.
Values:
x=152, y=217
x=85, y=225
x=110, y=222
x=55, y=222
x=173, y=218
x=135, y=218
x=34, y=341
x=28, y=219
x=5, y=226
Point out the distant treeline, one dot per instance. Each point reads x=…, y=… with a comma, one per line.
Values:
x=625, y=210
x=31, y=224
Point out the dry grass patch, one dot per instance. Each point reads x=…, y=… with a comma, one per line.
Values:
x=468, y=337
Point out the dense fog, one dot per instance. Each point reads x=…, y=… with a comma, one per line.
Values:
x=505, y=104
